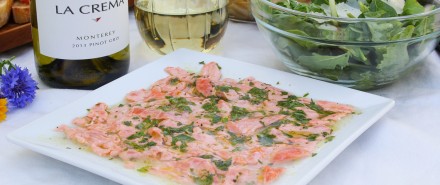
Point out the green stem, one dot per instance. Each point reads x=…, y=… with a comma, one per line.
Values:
x=332, y=5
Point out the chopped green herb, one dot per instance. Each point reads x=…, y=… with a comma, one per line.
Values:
x=319, y=109
x=300, y=116
x=174, y=81
x=211, y=106
x=238, y=113
x=312, y=137
x=258, y=95
x=144, y=169
x=220, y=128
x=120, y=105
x=202, y=63
x=226, y=88
x=291, y=102
x=179, y=104
x=140, y=147
x=127, y=123
x=206, y=156
x=234, y=140
x=266, y=139
x=329, y=138
x=207, y=179
x=171, y=130
x=136, y=135
x=223, y=165
x=184, y=139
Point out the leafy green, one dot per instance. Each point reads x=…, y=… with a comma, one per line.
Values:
x=305, y=39
x=412, y=7
x=318, y=62
x=382, y=8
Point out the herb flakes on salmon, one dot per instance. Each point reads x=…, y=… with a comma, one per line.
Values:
x=205, y=129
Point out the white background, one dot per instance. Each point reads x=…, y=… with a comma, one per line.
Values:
x=402, y=148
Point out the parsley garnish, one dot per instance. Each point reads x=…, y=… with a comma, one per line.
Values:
x=258, y=95
x=184, y=139
x=180, y=104
x=207, y=179
x=226, y=88
x=223, y=165
x=238, y=113
x=144, y=169
x=234, y=140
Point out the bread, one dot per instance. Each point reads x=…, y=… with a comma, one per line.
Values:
x=21, y=12
x=5, y=11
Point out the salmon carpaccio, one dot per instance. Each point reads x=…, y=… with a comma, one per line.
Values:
x=205, y=129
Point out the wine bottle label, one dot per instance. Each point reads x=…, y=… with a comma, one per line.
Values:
x=82, y=29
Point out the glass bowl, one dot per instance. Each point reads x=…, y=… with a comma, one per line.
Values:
x=361, y=53
x=240, y=11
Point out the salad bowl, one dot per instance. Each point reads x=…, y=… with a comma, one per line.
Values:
x=362, y=44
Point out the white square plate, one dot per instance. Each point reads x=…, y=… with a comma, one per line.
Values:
x=40, y=135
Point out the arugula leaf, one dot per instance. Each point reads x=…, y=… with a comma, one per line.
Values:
x=318, y=62
x=424, y=26
x=412, y=7
x=397, y=52
x=380, y=6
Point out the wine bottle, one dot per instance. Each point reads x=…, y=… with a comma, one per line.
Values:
x=80, y=44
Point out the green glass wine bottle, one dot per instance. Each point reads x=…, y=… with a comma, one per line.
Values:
x=80, y=44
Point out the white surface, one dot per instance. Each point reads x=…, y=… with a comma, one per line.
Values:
x=41, y=137
x=401, y=148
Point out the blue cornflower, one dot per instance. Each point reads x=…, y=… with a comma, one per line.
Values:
x=18, y=87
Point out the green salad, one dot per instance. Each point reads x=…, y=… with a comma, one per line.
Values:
x=365, y=52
